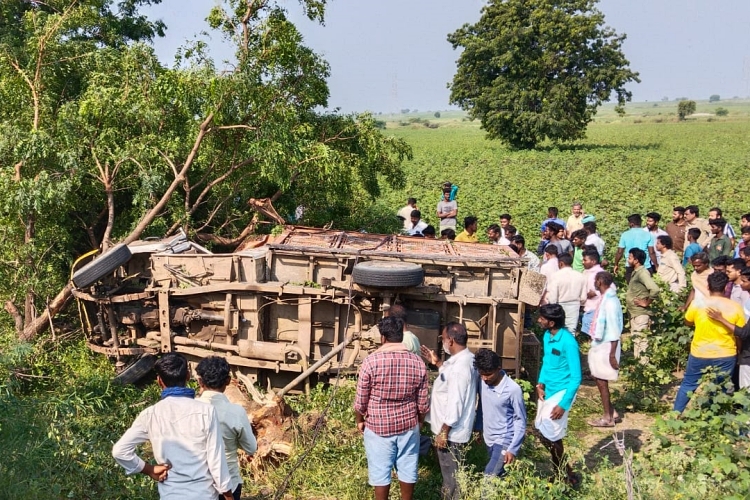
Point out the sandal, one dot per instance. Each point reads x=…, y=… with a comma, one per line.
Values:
x=601, y=422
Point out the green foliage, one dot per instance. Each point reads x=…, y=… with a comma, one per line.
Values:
x=706, y=448
x=437, y=114
x=685, y=109
x=721, y=111
x=714, y=98
x=668, y=345
x=532, y=70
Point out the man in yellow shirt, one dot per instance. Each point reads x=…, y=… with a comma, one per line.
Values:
x=713, y=343
x=469, y=234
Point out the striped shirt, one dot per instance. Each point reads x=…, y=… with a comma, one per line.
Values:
x=392, y=390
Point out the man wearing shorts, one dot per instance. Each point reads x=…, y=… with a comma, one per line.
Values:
x=392, y=400
x=604, y=354
x=558, y=383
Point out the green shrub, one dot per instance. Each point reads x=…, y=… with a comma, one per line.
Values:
x=722, y=111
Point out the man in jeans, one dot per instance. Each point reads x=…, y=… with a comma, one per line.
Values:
x=453, y=404
x=713, y=344
x=501, y=415
x=392, y=399
x=642, y=290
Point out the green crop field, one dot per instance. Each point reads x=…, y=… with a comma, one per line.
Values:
x=625, y=165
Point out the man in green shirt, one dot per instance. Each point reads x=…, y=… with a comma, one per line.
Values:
x=719, y=244
x=559, y=380
x=642, y=290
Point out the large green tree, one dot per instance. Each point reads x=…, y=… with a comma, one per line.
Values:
x=538, y=69
x=101, y=143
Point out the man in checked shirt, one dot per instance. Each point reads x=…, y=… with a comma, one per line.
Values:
x=392, y=400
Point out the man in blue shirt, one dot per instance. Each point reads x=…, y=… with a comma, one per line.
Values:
x=693, y=247
x=501, y=414
x=636, y=237
x=559, y=380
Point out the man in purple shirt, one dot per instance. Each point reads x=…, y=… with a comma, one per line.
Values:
x=392, y=400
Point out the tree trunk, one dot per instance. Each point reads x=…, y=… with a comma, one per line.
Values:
x=106, y=242
x=11, y=309
x=40, y=324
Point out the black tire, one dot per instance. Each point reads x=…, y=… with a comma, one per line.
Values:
x=388, y=274
x=135, y=372
x=104, y=265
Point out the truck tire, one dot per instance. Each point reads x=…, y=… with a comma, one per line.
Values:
x=105, y=264
x=388, y=274
x=135, y=372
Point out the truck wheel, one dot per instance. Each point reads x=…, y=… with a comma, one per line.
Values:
x=137, y=370
x=388, y=274
x=105, y=264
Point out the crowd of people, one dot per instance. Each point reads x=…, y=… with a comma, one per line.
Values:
x=580, y=298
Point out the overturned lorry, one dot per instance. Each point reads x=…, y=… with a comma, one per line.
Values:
x=298, y=308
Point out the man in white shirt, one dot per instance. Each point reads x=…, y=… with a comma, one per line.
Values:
x=532, y=261
x=213, y=378
x=452, y=404
x=652, y=226
x=417, y=224
x=568, y=288
x=734, y=273
x=550, y=266
x=405, y=213
x=591, y=268
x=495, y=235
x=593, y=238
x=185, y=439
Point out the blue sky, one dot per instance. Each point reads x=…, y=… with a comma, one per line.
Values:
x=391, y=54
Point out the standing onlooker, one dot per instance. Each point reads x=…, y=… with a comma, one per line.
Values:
x=579, y=239
x=405, y=213
x=495, y=235
x=532, y=261
x=185, y=439
x=635, y=237
x=699, y=278
x=392, y=400
x=593, y=297
x=563, y=245
x=469, y=234
x=642, y=290
x=453, y=404
x=559, y=380
x=692, y=219
x=677, y=229
x=550, y=266
x=693, y=247
x=719, y=243
x=501, y=415
x=713, y=343
x=568, y=288
x=745, y=255
x=670, y=268
x=447, y=210
x=593, y=238
x=604, y=354
x=510, y=232
x=417, y=224
x=552, y=217
x=736, y=292
x=575, y=221
x=411, y=341
x=213, y=379
x=741, y=333
x=744, y=240
x=652, y=227
x=716, y=213
x=504, y=222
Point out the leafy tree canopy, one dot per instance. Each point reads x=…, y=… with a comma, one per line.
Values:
x=536, y=69
x=99, y=142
